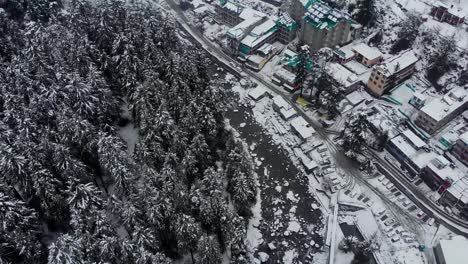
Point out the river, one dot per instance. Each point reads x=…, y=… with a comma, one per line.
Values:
x=289, y=221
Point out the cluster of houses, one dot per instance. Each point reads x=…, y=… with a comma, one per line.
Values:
x=449, y=14
x=442, y=165
x=254, y=38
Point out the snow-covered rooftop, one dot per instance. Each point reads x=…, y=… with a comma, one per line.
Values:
x=459, y=189
x=286, y=75
x=322, y=16
x=233, y=7
x=303, y=128
x=452, y=10
x=286, y=20
x=454, y=250
x=241, y=29
x=415, y=140
x=279, y=102
x=259, y=33
x=420, y=158
x=342, y=75
x=258, y=93
x=464, y=137
x=355, y=97
x=438, y=109
x=249, y=16
x=446, y=172
x=369, y=53
x=266, y=48
x=399, y=62
x=346, y=52
x=255, y=59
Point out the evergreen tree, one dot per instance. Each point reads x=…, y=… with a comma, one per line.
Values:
x=19, y=230
x=355, y=134
x=407, y=34
x=209, y=252
x=364, y=12
x=301, y=71
x=441, y=60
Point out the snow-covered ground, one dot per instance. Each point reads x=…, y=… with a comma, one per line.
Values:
x=392, y=252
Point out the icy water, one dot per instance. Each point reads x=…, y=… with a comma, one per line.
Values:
x=288, y=220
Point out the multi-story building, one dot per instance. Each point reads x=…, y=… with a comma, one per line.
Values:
x=444, y=13
x=456, y=197
x=460, y=149
x=287, y=28
x=367, y=55
x=229, y=13
x=323, y=26
x=451, y=251
x=392, y=72
x=438, y=112
x=251, y=29
x=409, y=150
x=451, y=181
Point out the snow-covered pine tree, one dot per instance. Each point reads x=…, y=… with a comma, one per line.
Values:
x=303, y=56
x=18, y=230
x=355, y=134
x=209, y=252
x=407, y=34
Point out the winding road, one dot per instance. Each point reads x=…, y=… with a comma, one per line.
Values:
x=390, y=171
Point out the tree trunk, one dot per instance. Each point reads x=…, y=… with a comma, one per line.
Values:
x=193, y=258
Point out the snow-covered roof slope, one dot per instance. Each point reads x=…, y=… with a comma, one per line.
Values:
x=279, y=102
x=258, y=93
x=438, y=109
x=286, y=21
x=399, y=62
x=464, y=137
x=322, y=16
x=446, y=172
x=259, y=33
x=454, y=250
x=415, y=140
x=241, y=29
x=301, y=126
x=369, y=53
x=346, y=52
x=342, y=75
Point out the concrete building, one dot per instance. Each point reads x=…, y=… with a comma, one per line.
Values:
x=321, y=25
x=460, y=149
x=456, y=197
x=287, y=28
x=261, y=34
x=251, y=29
x=367, y=55
x=229, y=13
x=410, y=151
x=343, y=77
x=261, y=57
x=440, y=174
x=451, y=251
x=449, y=14
x=392, y=72
x=345, y=54
x=436, y=113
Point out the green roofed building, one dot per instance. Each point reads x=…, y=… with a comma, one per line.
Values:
x=294, y=61
x=323, y=26
x=251, y=29
x=287, y=28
